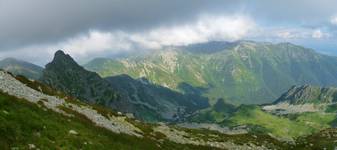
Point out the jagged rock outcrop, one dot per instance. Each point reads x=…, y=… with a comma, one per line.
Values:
x=64, y=74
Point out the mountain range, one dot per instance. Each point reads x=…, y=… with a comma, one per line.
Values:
x=232, y=95
x=242, y=72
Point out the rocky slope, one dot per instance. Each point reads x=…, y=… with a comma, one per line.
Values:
x=77, y=123
x=13, y=87
x=306, y=98
x=242, y=72
x=144, y=100
x=309, y=94
x=19, y=67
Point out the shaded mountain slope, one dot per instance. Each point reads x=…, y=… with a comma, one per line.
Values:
x=214, y=114
x=19, y=67
x=64, y=74
x=156, y=99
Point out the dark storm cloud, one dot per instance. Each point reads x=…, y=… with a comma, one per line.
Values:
x=92, y=25
x=39, y=21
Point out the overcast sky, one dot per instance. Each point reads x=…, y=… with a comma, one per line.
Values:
x=33, y=30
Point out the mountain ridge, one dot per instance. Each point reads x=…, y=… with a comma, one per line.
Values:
x=245, y=72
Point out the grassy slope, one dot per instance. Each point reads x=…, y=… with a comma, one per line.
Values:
x=209, y=115
x=325, y=139
x=23, y=123
x=283, y=127
x=215, y=114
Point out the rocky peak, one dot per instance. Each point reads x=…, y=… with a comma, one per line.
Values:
x=64, y=74
x=61, y=59
x=60, y=55
x=309, y=94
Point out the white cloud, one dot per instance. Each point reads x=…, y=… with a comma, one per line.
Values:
x=101, y=43
x=293, y=33
x=95, y=42
x=317, y=34
x=289, y=33
x=205, y=29
x=333, y=20
x=286, y=34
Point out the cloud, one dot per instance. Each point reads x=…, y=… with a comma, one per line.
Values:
x=206, y=28
x=317, y=34
x=293, y=33
x=29, y=22
x=333, y=20
x=96, y=43
x=287, y=34
x=98, y=28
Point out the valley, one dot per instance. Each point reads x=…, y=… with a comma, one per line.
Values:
x=157, y=115
x=168, y=75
